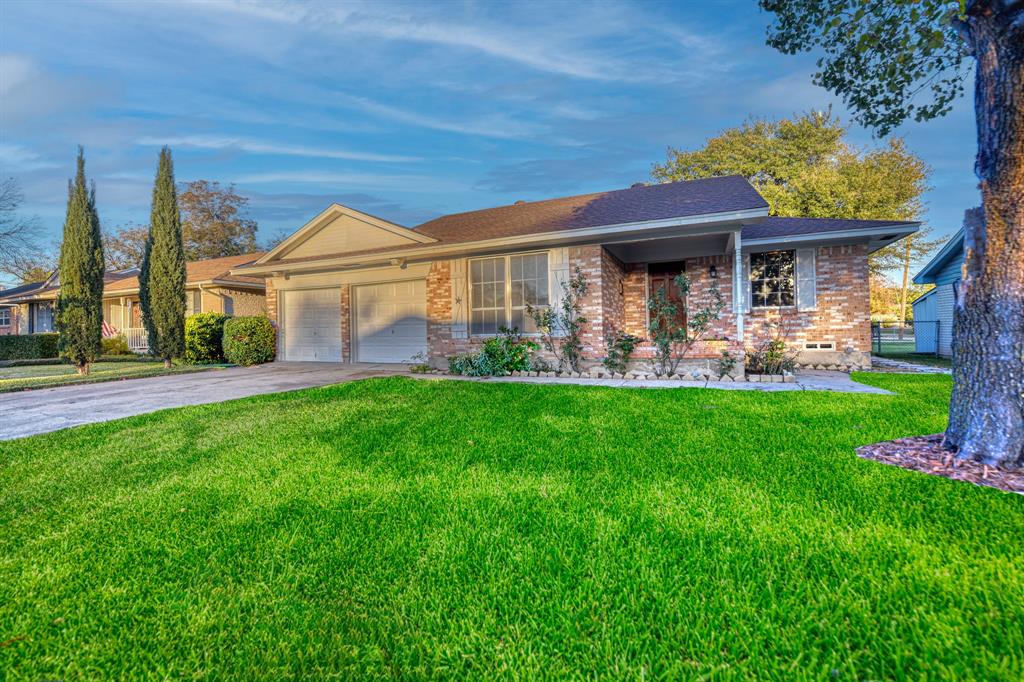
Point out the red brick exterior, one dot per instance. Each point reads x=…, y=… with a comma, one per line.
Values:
x=617, y=300
x=12, y=328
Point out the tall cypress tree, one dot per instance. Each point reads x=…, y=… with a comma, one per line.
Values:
x=80, y=302
x=162, y=278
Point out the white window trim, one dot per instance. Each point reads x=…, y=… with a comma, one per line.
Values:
x=750, y=288
x=508, y=289
x=5, y=313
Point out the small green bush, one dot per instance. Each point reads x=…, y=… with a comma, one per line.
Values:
x=116, y=345
x=249, y=341
x=500, y=355
x=204, y=338
x=28, y=346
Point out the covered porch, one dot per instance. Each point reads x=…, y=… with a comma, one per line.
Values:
x=632, y=271
x=122, y=316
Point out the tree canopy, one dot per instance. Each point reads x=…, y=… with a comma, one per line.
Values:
x=804, y=166
x=125, y=247
x=214, y=221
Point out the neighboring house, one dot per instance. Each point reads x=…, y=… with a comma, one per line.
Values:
x=351, y=287
x=935, y=308
x=209, y=287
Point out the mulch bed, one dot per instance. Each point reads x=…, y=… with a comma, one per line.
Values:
x=926, y=454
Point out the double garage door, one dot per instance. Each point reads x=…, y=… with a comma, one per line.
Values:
x=389, y=322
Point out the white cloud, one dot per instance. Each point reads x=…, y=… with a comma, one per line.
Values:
x=20, y=159
x=381, y=181
x=258, y=147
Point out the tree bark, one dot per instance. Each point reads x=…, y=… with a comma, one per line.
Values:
x=903, y=290
x=167, y=363
x=986, y=412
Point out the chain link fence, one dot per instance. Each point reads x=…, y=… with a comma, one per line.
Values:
x=896, y=338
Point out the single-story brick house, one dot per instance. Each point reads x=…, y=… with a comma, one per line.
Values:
x=352, y=287
x=209, y=287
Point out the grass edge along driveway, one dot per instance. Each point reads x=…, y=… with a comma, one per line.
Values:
x=30, y=377
x=402, y=528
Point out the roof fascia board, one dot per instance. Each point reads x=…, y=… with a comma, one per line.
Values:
x=837, y=235
x=333, y=212
x=926, y=274
x=621, y=232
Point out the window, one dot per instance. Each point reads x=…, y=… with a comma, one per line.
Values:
x=772, y=279
x=501, y=288
x=5, y=317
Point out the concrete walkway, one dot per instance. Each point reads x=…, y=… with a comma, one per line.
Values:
x=26, y=413
x=890, y=365
x=806, y=380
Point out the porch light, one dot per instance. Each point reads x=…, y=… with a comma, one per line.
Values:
x=713, y=271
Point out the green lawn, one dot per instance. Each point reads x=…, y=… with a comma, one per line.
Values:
x=405, y=528
x=47, y=376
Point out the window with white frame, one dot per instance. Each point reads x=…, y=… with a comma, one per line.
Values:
x=501, y=288
x=772, y=279
x=5, y=317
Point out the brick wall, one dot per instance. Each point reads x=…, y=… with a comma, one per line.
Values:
x=346, y=323
x=270, y=301
x=842, y=315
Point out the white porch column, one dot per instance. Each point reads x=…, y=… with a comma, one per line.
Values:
x=739, y=301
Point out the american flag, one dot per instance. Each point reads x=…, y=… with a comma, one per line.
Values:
x=109, y=331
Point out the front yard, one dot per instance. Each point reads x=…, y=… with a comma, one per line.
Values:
x=47, y=376
x=403, y=528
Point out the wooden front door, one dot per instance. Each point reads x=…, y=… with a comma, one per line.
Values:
x=663, y=275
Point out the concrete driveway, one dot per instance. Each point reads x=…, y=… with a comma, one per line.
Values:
x=27, y=413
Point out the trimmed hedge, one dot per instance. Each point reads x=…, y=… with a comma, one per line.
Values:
x=28, y=346
x=204, y=337
x=249, y=341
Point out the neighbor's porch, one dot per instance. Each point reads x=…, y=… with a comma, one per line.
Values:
x=122, y=316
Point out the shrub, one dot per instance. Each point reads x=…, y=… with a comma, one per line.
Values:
x=771, y=355
x=28, y=346
x=620, y=348
x=249, y=341
x=116, y=345
x=726, y=364
x=672, y=339
x=508, y=352
x=560, y=329
x=204, y=337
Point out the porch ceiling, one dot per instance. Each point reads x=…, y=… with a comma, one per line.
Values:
x=671, y=248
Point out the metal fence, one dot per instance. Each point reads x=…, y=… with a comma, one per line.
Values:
x=894, y=338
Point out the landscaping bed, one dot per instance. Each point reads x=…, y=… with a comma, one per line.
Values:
x=393, y=528
x=926, y=454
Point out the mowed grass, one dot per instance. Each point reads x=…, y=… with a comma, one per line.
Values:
x=404, y=528
x=24, y=377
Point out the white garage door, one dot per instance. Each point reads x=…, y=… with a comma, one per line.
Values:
x=312, y=325
x=391, y=321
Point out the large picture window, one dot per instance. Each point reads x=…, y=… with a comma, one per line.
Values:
x=502, y=287
x=772, y=279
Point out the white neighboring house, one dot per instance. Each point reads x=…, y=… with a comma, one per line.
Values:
x=945, y=271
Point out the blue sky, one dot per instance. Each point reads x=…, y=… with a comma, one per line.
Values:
x=406, y=111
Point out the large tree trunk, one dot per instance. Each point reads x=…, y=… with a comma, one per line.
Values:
x=986, y=413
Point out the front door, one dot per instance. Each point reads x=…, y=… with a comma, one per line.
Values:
x=664, y=275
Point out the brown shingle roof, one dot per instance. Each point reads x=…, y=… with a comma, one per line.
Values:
x=791, y=227
x=639, y=203
x=200, y=271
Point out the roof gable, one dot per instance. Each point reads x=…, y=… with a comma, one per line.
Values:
x=948, y=259
x=341, y=229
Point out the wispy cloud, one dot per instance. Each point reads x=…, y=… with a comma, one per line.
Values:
x=17, y=158
x=492, y=125
x=259, y=147
x=407, y=182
